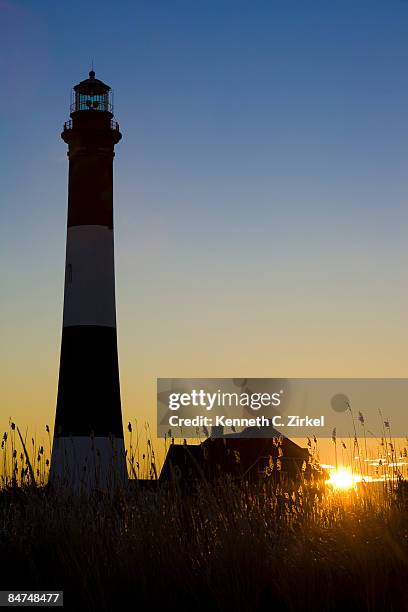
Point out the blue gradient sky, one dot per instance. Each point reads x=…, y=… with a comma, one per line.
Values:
x=260, y=197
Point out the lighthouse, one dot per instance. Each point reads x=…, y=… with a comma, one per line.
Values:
x=88, y=447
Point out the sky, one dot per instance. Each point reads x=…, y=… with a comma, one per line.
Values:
x=260, y=196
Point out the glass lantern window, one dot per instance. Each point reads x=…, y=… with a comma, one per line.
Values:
x=85, y=101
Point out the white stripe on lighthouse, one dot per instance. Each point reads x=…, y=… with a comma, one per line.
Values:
x=89, y=297
x=86, y=462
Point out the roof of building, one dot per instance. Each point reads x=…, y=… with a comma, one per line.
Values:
x=236, y=456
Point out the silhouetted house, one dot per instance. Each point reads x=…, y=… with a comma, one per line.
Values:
x=242, y=458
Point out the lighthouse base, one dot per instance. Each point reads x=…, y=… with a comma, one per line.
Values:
x=86, y=464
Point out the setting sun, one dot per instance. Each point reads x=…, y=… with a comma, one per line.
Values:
x=342, y=479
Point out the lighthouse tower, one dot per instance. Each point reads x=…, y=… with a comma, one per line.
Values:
x=88, y=449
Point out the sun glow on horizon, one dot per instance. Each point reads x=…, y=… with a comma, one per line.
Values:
x=343, y=478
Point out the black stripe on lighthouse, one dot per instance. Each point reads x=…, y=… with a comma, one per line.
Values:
x=88, y=394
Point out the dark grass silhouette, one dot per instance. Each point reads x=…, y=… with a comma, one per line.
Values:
x=227, y=547
x=290, y=546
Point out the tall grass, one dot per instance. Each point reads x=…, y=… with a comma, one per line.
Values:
x=226, y=548
x=290, y=547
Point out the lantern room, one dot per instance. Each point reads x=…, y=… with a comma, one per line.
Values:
x=92, y=95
